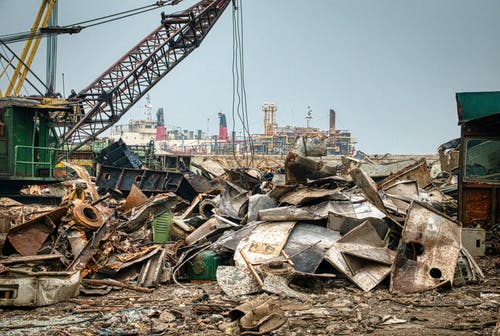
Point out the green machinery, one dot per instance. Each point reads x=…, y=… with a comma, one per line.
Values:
x=33, y=132
x=28, y=145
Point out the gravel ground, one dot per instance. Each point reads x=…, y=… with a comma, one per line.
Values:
x=333, y=307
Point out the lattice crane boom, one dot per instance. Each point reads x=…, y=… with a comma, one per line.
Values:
x=109, y=97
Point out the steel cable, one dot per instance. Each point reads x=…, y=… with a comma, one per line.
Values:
x=22, y=36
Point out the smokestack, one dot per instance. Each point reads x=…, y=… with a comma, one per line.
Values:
x=332, y=121
x=222, y=127
x=161, y=133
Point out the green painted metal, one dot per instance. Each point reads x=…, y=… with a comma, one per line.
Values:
x=20, y=129
x=39, y=158
x=98, y=145
x=161, y=227
x=204, y=266
x=475, y=105
x=28, y=145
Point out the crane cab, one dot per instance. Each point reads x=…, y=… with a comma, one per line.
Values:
x=28, y=144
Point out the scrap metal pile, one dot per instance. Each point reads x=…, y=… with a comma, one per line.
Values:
x=251, y=230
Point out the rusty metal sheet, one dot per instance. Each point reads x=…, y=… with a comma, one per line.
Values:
x=158, y=204
x=134, y=199
x=329, y=182
x=230, y=239
x=211, y=226
x=307, y=246
x=298, y=169
x=368, y=275
x=121, y=261
x=80, y=261
x=233, y=207
x=434, y=194
x=259, y=202
x=246, y=178
x=233, y=201
x=418, y=172
x=34, y=289
x=307, y=195
x=291, y=213
x=199, y=183
x=344, y=224
x=279, y=187
x=151, y=271
x=477, y=206
x=27, y=238
x=195, y=204
x=358, y=265
x=406, y=189
x=31, y=259
x=258, y=316
x=361, y=209
x=264, y=243
x=375, y=170
x=77, y=241
x=364, y=242
x=84, y=175
x=428, y=251
x=212, y=167
x=449, y=157
x=368, y=187
x=356, y=207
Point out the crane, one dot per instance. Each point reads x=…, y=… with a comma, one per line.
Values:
x=29, y=50
x=111, y=95
x=34, y=132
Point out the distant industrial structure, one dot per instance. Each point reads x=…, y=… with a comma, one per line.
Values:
x=276, y=140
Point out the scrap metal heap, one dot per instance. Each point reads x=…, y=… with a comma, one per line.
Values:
x=250, y=230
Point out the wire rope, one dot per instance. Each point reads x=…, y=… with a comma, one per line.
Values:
x=22, y=36
x=240, y=104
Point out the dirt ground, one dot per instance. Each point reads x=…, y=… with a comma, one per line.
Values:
x=334, y=307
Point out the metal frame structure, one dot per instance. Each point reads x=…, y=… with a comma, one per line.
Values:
x=110, y=96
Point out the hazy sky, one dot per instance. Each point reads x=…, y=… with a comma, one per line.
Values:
x=390, y=68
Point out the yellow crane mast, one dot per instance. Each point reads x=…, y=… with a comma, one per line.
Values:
x=29, y=50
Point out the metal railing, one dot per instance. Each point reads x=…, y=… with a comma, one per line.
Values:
x=34, y=153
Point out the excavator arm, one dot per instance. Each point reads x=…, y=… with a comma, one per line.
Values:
x=109, y=97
